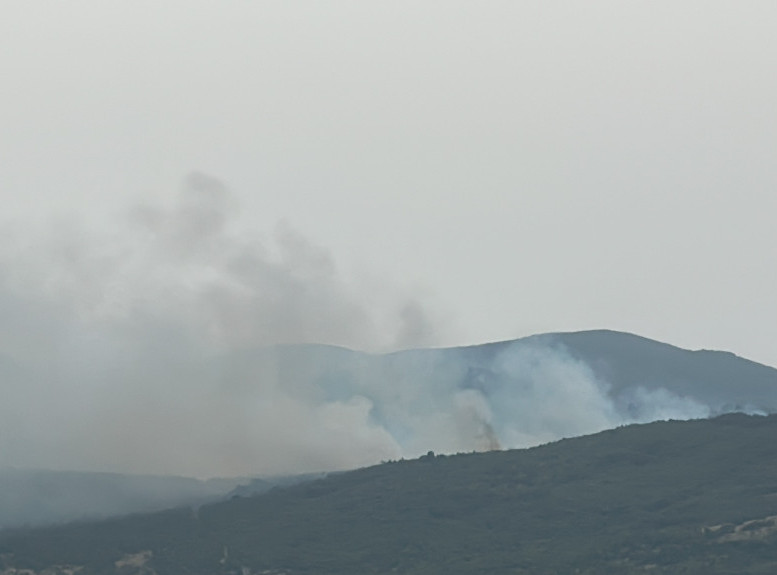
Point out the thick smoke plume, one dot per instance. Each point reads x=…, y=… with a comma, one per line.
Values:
x=108, y=340
x=152, y=348
x=191, y=267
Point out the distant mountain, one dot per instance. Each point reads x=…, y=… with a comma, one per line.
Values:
x=696, y=497
x=623, y=363
x=39, y=497
x=718, y=379
x=515, y=393
x=31, y=497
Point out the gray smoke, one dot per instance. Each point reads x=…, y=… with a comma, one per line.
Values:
x=190, y=267
x=108, y=341
x=152, y=347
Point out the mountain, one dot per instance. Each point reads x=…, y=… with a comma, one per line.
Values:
x=352, y=409
x=624, y=363
x=39, y=497
x=696, y=497
x=35, y=497
x=515, y=393
x=621, y=362
x=719, y=379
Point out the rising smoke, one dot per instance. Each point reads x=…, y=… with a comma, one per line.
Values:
x=108, y=343
x=152, y=348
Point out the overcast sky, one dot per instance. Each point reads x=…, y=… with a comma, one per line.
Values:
x=489, y=169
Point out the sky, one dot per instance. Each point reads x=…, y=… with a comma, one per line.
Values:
x=523, y=166
x=385, y=175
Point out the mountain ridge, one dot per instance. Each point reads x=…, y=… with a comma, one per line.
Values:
x=664, y=497
x=508, y=394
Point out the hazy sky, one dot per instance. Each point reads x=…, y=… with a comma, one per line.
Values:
x=489, y=169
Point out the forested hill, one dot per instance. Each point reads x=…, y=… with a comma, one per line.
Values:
x=666, y=497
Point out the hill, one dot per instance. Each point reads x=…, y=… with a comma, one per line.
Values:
x=34, y=497
x=350, y=409
x=623, y=363
x=665, y=497
x=718, y=379
x=37, y=497
x=514, y=393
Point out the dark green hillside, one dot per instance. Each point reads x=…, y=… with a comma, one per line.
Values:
x=667, y=497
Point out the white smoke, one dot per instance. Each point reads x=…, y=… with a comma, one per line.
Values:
x=108, y=341
x=644, y=405
x=144, y=348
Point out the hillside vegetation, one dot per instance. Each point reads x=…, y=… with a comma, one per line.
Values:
x=666, y=497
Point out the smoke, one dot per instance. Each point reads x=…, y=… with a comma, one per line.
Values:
x=190, y=266
x=537, y=392
x=108, y=341
x=474, y=419
x=154, y=346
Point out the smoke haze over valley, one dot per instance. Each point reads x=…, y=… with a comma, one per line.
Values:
x=177, y=341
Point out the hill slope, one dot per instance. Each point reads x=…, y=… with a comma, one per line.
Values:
x=666, y=497
x=38, y=497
